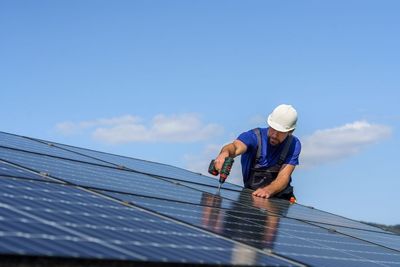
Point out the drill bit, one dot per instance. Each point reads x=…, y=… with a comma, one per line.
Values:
x=221, y=181
x=219, y=187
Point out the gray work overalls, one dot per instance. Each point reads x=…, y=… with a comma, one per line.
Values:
x=262, y=176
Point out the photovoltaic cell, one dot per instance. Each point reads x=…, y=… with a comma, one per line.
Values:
x=290, y=238
x=212, y=188
x=150, y=167
x=386, y=239
x=39, y=218
x=101, y=177
x=27, y=144
x=296, y=211
x=310, y=214
x=9, y=170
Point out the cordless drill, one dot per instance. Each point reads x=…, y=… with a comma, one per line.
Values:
x=225, y=170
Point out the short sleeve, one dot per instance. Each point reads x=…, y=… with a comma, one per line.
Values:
x=248, y=138
x=294, y=152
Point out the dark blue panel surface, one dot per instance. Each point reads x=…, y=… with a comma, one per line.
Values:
x=213, y=189
x=39, y=218
x=296, y=211
x=9, y=170
x=101, y=177
x=151, y=167
x=291, y=238
x=301, y=212
x=27, y=144
x=137, y=183
x=54, y=219
x=386, y=239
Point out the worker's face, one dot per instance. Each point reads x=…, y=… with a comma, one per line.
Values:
x=275, y=137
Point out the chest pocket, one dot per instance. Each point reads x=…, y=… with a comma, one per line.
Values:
x=261, y=176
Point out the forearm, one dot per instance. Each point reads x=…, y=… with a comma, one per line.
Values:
x=280, y=183
x=230, y=150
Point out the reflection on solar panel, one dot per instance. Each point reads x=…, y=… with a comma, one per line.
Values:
x=79, y=207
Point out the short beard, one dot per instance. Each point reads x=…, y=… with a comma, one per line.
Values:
x=269, y=141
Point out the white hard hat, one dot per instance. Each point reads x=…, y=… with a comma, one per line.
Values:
x=283, y=118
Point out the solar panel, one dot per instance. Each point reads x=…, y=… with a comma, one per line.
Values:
x=85, y=155
x=100, y=177
x=388, y=239
x=85, y=205
x=47, y=148
x=148, y=166
x=39, y=218
x=297, y=211
x=12, y=171
x=291, y=238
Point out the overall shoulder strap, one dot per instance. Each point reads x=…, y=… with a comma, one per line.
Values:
x=285, y=150
x=257, y=131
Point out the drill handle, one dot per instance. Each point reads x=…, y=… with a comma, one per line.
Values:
x=226, y=169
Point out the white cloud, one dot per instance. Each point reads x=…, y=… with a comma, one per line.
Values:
x=174, y=128
x=337, y=143
x=69, y=128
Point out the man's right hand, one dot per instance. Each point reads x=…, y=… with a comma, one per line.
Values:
x=219, y=161
x=233, y=149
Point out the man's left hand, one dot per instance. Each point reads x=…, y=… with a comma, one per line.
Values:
x=263, y=192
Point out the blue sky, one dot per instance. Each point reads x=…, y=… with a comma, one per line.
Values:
x=172, y=81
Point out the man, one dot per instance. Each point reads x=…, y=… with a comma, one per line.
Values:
x=269, y=155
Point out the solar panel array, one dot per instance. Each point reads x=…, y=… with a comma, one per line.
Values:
x=59, y=201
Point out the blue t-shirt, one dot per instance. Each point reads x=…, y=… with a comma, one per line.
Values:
x=269, y=154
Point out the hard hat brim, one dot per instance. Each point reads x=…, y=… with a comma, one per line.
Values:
x=278, y=127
